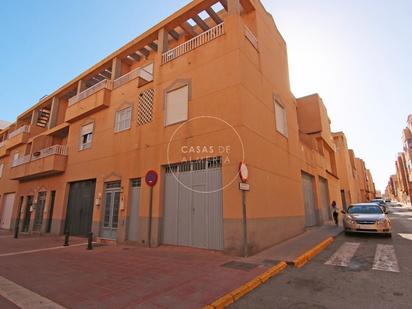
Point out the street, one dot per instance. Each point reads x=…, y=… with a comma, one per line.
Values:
x=361, y=271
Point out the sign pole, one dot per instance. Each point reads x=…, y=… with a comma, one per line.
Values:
x=151, y=180
x=244, y=186
x=244, y=223
x=149, y=226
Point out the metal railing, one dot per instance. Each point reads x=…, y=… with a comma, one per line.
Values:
x=50, y=151
x=23, y=129
x=146, y=73
x=251, y=37
x=89, y=91
x=194, y=43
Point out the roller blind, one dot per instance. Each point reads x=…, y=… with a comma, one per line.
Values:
x=281, y=121
x=177, y=105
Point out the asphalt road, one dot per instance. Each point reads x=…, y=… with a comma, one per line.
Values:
x=365, y=271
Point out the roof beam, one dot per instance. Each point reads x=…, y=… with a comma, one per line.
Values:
x=224, y=3
x=144, y=51
x=188, y=29
x=135, y=57
x=200, y=22
x=175, y=35
x=214, y=16
x=153, y=46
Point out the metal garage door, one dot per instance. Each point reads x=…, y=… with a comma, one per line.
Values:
x=193, y=213
x=80, y=207
x=8, y=202
x=309, y=199
x=324, y=198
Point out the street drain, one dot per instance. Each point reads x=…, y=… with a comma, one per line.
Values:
x=240, y=265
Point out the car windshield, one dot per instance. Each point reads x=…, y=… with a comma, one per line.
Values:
x=366, y=209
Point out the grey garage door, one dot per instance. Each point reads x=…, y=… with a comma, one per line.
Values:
x=193, y=213
x=133, y=222
x=309, y=199
x=324, y=198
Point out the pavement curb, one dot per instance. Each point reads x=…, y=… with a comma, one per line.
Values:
x=310, y=254
x=244, y=289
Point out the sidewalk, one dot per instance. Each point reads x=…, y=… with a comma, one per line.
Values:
x=290, y=249
x=125, y=276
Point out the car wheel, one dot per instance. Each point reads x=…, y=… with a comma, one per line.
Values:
x=389, y=235
x=347, y=233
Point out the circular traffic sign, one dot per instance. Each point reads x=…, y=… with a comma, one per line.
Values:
x=151, y=178
x=243, y=172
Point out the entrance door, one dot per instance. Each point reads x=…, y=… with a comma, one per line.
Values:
x=38, y=216
x=80, y=207
x=133, y=225
x=8, y=202
x=193, y=211
x=50, y=219
x=111, y=210
x=309, y=199
x=27, y=214
x=324, y=198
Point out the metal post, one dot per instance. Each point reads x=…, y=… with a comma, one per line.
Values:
x=149, y=225
x=90, y=241
x=244, y=224
x=66, y=238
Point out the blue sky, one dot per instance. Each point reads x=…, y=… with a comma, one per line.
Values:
x=355, y=53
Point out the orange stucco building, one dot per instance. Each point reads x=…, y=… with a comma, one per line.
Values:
x=189, y=99
x=400, y=185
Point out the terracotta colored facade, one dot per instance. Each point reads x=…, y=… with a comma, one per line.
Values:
x=102, y=132
x=400, y=185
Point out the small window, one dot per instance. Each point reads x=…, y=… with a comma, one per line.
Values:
x=281, y=119
x=1, y=169
x=86, y=136
x=177, y=105
x=123, y=119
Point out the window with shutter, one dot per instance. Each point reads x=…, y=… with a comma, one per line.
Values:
x=123, y=119
x=281, y=120
x=86, y=136
x=177, y=105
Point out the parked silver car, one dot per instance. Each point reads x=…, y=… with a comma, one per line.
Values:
x=366, y=218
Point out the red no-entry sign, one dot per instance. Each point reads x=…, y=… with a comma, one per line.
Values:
x=151, y=178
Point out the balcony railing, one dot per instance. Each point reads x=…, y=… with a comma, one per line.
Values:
x=145, y=73
x=89, y=91
x=251, y=37
x=20, y=161
x=194, y=43
x=23, y=129
x=50, y=151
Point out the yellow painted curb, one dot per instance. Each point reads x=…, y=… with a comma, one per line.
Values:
x=241, y=291
x=308, y=255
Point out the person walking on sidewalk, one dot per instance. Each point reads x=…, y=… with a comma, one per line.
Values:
x=335, y=212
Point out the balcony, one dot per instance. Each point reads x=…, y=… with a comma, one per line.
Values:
x=46, y=162
x=201, y=39
x=144, y=74
x=90, y=100
x=3, y=150
x=18, y=136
